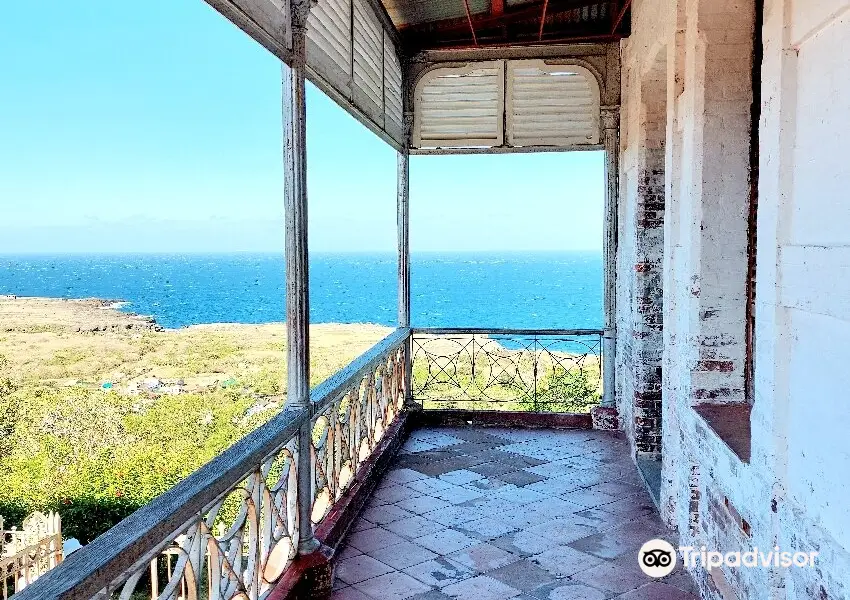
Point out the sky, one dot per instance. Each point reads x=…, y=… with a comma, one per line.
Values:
x=156, y=127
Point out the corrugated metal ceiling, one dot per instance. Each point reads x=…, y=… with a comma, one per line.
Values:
x=425, y=24
x=406, y=12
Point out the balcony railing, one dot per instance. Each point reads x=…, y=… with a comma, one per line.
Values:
x=507, y=369
x=27, y=553
x=231, y=528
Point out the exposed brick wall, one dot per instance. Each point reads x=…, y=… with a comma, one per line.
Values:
x=624, y=356
x=720, y=79
x=693, y=501
x=723, y=528
x=641, y=270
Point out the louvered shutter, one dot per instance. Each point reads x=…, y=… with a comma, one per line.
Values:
x=329, y=42
x=551, y=105
x=368, y=61
x=460, y=107
x=393, y=108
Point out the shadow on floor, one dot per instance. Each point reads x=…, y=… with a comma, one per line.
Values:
x=491, y=514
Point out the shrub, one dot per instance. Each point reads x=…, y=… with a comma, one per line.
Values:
x=566, y=390
x=95, y=456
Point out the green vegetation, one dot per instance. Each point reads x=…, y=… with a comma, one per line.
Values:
x=95, y=455
x=573, y=390
x=503, y=379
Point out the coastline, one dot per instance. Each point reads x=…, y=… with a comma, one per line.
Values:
x=100, y=315
x=519, y=290
x=62, y=342
x=88, y=315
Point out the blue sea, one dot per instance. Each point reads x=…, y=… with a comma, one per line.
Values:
x=507, y=290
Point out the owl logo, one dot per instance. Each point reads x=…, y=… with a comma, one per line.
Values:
x=657, y=558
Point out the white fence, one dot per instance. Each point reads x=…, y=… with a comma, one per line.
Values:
x=28, y=553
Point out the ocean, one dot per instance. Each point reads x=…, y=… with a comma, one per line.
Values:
x=487, y=289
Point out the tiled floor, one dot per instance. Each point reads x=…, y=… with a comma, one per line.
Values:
x=491, y=514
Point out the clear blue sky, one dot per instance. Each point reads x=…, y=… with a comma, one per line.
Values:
x=155, y=126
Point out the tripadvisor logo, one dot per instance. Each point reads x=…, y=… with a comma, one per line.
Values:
x=657, y=558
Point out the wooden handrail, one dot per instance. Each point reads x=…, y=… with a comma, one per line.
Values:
x=495, y=331
x=133, y=542
x=338, y=384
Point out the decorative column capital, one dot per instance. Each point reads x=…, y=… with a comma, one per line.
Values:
x=300, y=10
x=407, y=127
x=610, y=116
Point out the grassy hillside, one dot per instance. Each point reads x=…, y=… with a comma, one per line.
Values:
x=101, y=411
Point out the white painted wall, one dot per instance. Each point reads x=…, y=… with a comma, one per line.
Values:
x=812, y=232
x=792, y=491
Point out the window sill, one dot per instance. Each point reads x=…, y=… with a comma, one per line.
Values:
x=731, y=423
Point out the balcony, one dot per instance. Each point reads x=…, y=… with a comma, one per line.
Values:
x=472, y=512
x=411, y=487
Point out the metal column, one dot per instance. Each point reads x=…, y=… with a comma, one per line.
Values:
x=611, y=124
x=403, y=218
x=297, y=271
x=403, y=209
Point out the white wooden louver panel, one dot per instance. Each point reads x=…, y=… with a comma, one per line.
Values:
x=551, y=105
x=460, y=107
x=393, y=107
x=368, y=61
x=329, y=42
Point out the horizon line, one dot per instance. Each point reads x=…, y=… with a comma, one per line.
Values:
x=59, y=253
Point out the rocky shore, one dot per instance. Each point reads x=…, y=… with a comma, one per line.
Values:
x=90, y=343
x=91, y=315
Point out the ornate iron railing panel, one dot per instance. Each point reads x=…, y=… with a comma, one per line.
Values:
x=503, y=369
x=349, y=428
x=230, y=529
x=237, y=547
